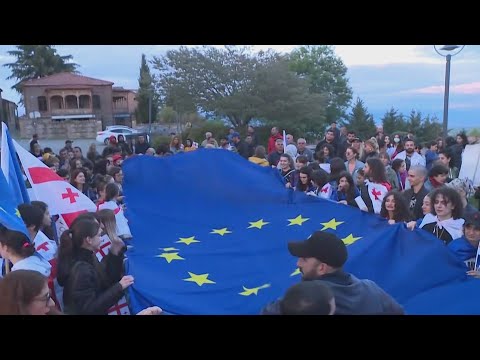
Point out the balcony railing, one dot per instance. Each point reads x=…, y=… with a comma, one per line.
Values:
x=71, y=111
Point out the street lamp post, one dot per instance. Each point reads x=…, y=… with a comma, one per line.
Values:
x=447, y=51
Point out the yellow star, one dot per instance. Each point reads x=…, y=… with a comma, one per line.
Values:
x=188, y=241
x=297, y=221
x=221, y=231
x=257, y=224
x=251, y=291
x=168, y=249
x=170, y=256
x=332, y=224
x=199, y=279
x=349, y=240
x=17, y=213
x=296, y=272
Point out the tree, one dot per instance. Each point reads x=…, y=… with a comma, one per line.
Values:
x=360, y=120
x=283, y=99
x=146, y=94
x=414, y=121
x=36, y=61
x=393, y=122
x=168, y=115
x=217, y=82
x=430, y=130
x=326, y=75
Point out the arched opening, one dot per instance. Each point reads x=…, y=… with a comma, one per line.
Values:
x=84, y=101
x=71, y=102
x=56, y=102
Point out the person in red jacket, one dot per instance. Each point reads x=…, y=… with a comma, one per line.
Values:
x=271, y=140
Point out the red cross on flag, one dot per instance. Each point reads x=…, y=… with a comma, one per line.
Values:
x=61, y=197
x=121, y=307
x=377, y=192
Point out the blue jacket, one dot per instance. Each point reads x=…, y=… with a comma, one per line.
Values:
x=462, y=248
x=352, y=297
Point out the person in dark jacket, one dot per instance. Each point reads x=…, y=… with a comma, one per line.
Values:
x=241, y=145
x=414, y=196
x=321, y=258
x=90, y=287
x=308, y=298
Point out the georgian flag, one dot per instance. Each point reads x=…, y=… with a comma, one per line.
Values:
x=326, y=191
x=61, y=197
x=45, y=247
x=376, y=192
x=121, y=307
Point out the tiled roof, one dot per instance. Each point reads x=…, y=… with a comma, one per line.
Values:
x=66, y=79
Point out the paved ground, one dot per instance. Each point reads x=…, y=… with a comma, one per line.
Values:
x=56, y=145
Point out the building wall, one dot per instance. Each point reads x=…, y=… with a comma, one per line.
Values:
x=104, y=114
x=46, y=128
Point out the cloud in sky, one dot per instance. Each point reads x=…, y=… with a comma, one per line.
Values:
x=403, y=76
x=467, y=89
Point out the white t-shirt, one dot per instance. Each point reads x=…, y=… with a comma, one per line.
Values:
x=34, y=262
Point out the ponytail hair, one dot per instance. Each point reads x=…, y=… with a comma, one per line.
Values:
x=70, y=243
x=17, y=242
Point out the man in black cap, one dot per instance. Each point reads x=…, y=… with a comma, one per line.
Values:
x=321, y=258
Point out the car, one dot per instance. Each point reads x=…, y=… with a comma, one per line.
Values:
x=115, y=130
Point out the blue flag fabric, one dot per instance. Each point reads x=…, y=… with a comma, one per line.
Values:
x=9, y=214
x=211, y=231
x=11, y=169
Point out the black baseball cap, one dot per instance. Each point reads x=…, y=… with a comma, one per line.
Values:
x=473, y=219
x=326, y=247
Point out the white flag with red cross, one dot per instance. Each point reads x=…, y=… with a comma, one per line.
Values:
x=376, y=192
x=61, y=197
x=121, y=307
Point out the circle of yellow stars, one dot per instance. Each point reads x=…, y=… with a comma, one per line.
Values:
x=171, y=253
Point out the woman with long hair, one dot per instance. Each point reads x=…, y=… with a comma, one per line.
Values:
x=376, y=186
x=346, y=191
x=90, y=287
x=46, y=227
x=176, y=145
x=111, y=196
x=79, y=181
x=304, y=183
x=326, y=153
x=25, y=292
x=394, y=208
x=353, y=164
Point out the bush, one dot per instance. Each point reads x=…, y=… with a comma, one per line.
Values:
x=197, y=133
x=159, y=140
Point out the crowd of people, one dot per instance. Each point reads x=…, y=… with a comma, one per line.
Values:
x=391, y=176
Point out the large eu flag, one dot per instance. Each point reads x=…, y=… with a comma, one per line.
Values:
x=211, y=231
